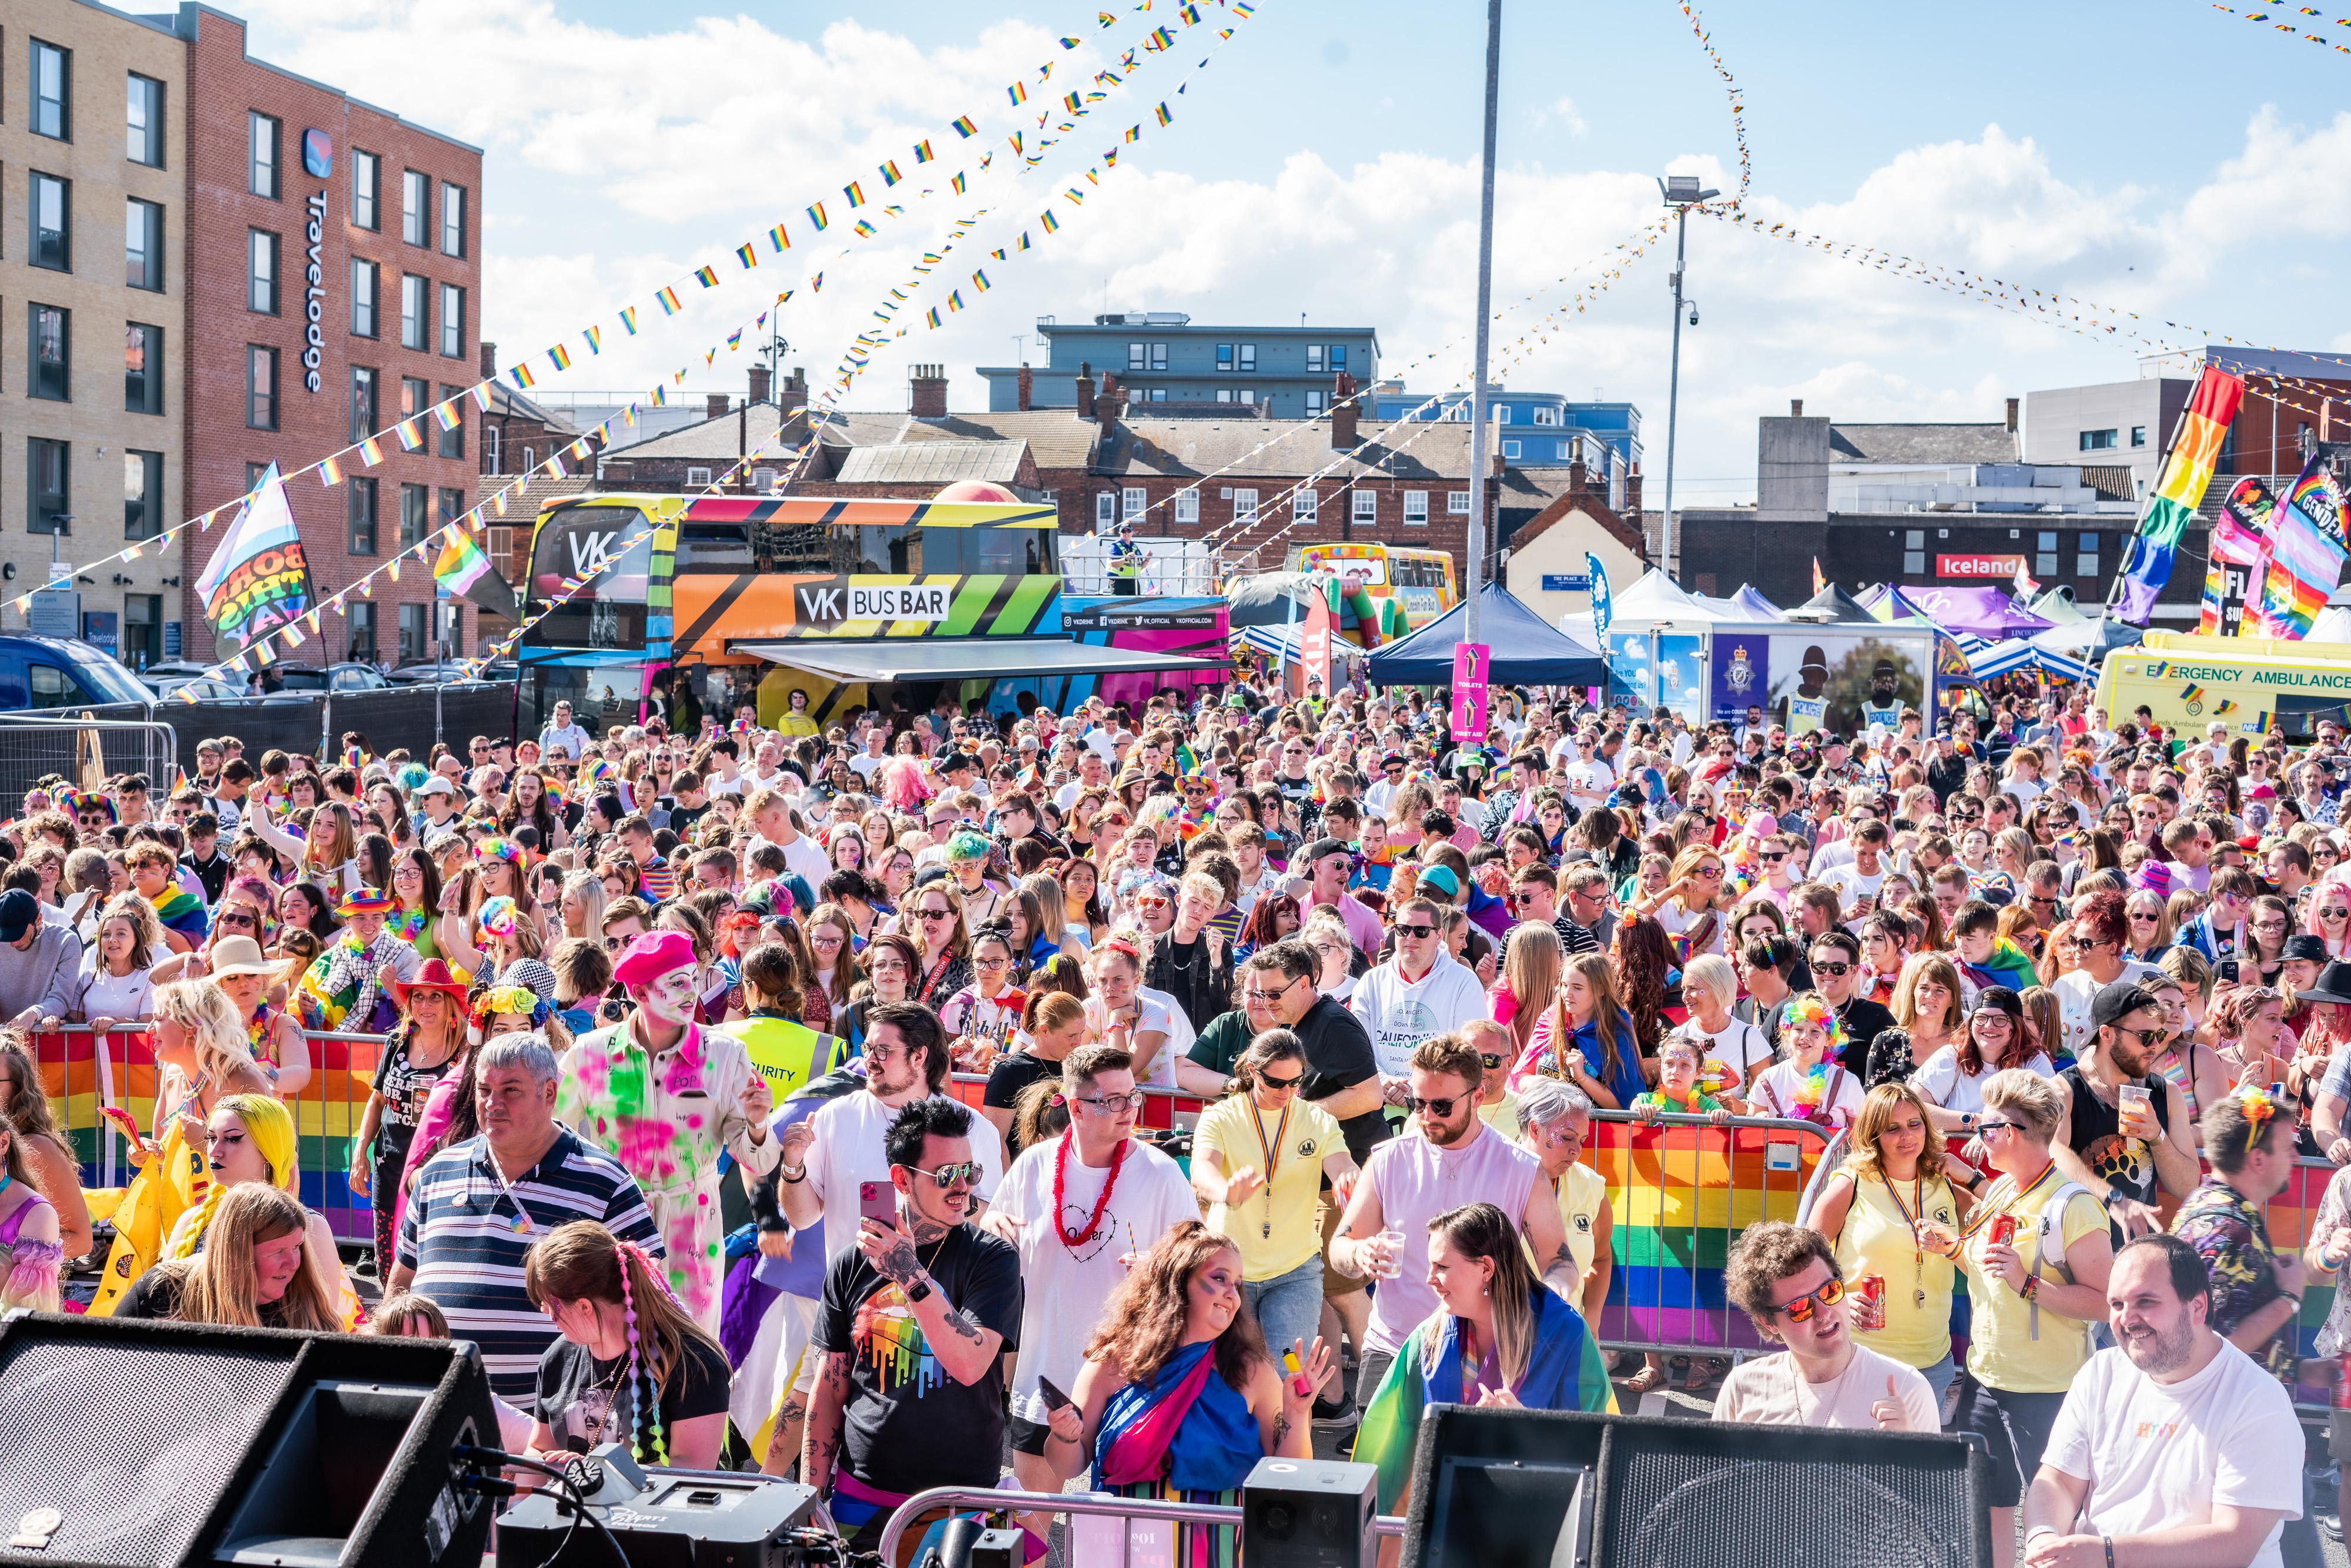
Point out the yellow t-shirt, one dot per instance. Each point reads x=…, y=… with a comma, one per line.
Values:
x=1581, y=1190
x=1876, y=1240
x=2002, y=1352
x=1502, y=1116
x=1276, y=1229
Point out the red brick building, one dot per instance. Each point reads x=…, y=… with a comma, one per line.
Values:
x=334, y=286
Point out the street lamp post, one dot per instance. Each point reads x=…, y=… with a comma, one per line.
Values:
x=1472, y=578
x=1681, y=193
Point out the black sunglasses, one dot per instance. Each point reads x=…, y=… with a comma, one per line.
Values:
x=1434, y=1107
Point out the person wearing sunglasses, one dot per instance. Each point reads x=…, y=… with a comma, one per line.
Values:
x=1454, y=1160
x=2125, y=1133
x=2096, y=937
x=915, y=1316
x=1835, y=962
x=1423, y=990
x=1787, y=1281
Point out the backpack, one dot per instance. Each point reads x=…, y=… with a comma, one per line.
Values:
x=2050, y=1245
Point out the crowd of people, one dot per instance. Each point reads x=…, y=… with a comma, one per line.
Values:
x=774, y=1094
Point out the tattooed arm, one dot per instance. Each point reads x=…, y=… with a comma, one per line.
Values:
x=1547, y=1236
x=827, y=1417
x=965, y=1351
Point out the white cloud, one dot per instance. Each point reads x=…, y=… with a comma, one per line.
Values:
x=1563, y=114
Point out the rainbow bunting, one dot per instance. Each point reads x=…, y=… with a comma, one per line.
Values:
x=594, y=337
x=855, y=192
x=816, y=216
x=706, y=276
x=482, y=393
x=779, y=239
x=747, y=255
x=522, y=377
x=2188, y=468
x=1017, y=92
x=446, y=414
x=1024, y=240
x=957, y=183
x=370, y=451
x=932, y=316
x=923, y=150
x=668, y=298
x=1163, y=115
x=955, y=301
x=890, y=176
x=2190, y=692
x=1069, y=43
x=1105, y=18
x=410, y=433
x=1134, y=133
x=1049, y=221
x=629, y=319
x=979, y=281
x=331, y=473
x=864, y=229
x=1070, y=103
x=964, y=127
x=735, y=339
x=559, y=357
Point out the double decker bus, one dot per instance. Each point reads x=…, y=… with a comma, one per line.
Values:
x=748, y=598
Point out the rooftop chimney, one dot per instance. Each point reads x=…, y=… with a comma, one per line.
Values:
x=717, y=405
x=1795, y=407
x=1633, y=494
x=1107, y=406
x=927, y=392
x=489, y=359
x=1343, y=412
x=759, y=383
x=1028, y=388
x=1085, y=392
x=2012, y=417
x=794, y=395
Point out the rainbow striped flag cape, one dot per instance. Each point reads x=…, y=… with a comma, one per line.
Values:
x=183, y=911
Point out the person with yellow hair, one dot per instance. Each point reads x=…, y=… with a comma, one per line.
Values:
x=249, y=1138
x=200, y=1049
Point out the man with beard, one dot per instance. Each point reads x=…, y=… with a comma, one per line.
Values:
x=916, y=1314
x=665, y=1097
x=2174, y=1446
x=2125, y=1135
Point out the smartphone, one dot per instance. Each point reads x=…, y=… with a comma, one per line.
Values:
x=1053, y=1397
x=878, y=1201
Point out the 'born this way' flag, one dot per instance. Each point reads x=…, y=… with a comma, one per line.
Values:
x=2188, y=468
x=257, y=580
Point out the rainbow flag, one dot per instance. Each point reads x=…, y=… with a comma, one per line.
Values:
x=744, y=254
x=1017, y=92
x=923, y=150
x=629, y=319
x=816, y=216
x=864, y=229
x=890, y=176
x=523, y=379
x=855, y=192
x=957, y=183
x=411, y=434
x=668, y=298
x=370, y=451
x=2188, y=468
x=1049, y=221
x=2240, y=554
x=777, y=238
x=330, y=472
x=2306, y=552
x=1163, y=115
x=461, y=563
x=964, y=125
x=559, y=357
x=446, y=414
x=706, y=276
x=979, y=280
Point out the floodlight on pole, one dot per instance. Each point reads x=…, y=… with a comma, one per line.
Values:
x=1681, y=193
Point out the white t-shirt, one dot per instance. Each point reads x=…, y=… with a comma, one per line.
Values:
x=1740, y=1047
x=848, y=1152
x=1851, y=884
x=1153, y=1010
x=1416, y=1182
x=1941, y=1082
x=865, y=765
x=2159, y=1455
x=806, y=860
x=1399, y=1016
x=1771, y=1392
x=1775, y=1094
x=2077, y=990
x=1067, y=1291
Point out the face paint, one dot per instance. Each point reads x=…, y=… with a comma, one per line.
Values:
x=670, y=998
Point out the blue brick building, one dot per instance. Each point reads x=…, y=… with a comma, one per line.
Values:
x=1538, y=429
x=1163, y=357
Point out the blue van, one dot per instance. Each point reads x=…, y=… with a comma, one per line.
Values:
x=42, y=672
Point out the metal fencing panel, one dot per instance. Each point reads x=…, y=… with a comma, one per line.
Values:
x=84, y=751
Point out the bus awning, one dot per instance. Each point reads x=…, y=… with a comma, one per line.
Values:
x=961, y=658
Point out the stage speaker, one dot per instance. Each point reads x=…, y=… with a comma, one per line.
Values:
x=154, y=1444
x=1309, y=1513
x=661, y=1518
x=1498, y=1488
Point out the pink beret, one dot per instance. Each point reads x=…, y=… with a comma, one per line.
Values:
x=652, y=956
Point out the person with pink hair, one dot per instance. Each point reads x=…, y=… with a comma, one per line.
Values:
x=903, y=785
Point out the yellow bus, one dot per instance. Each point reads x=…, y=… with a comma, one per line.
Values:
x=1411, y=587
x=2252, y=684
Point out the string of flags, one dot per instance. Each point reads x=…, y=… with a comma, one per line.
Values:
x=2294, y=28
x=1738, y=103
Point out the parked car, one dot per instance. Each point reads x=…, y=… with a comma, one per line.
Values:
x=342, y=677
x=38, y=673
x=196, y=688
x=498, y=671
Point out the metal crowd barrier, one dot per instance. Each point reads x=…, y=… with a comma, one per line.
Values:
x=1091, y=1503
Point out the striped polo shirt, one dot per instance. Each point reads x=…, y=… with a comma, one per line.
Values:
x=462, y=1236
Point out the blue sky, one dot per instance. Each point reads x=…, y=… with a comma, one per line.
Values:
x=1325, y=161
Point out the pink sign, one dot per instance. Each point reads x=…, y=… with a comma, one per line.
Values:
x=1470, y=663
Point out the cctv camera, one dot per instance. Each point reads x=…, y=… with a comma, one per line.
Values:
x=1693, y=315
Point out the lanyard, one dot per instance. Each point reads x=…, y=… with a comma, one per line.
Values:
x=523, y=1224
x=1987, y=1212
x=1272, y=1153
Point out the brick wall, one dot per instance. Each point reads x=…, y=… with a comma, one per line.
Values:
x=1075, y=491
x=224, y=85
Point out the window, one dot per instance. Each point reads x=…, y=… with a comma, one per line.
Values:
x=367, y=189
x=52, y=91
x=52, y=217
x=260, y=387
x=2045, y=558
x=415, y=628
x=1313, y=358
x=2139, y=435
x=414, y=307
x=1156, y=394
x=1158, y=356
x=1566, y=451
x=452, y=504
x=453, y=220
x=142, y=244
x=1225, y=394
x=363, y=402
x=362, y=623
x=2098, y=440
x=415, y=196
x=261, y=138
x=1305, y=505
x=1317, y=401
x=1105, y=509
x=453, y=321
x=1914, y=552
x=415, y=508
x=47, y=504
x=1244, y=506
x=699, y=478
x=1138, y=356
x=360, y=509
x=1225, y=358
x=491, y=436
x=1248, y=358
x=1338, y=356
x=1367, y=506
x=51, y=344
x=1545, y=414
x=143, y=368
x=143, y=121
x=363, y=275
x=1458, y=412
x=261, y=271
x=414, y=393
x=143, y=494
x=1456, y=503
x=1501, y=414
x=1510, y=448
x=452, y=443
x=530, y=460
x=1415, y=507
x=1131, y=502
x=1187, y=506
x=452, y=618
x=2086, y=559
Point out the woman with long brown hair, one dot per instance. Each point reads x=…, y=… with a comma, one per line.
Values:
x=31, y=1255
x=254, y=1271
x=1179, y=1396
x=1531, y=962
x=632, y=1364
x=1687, y=904
x=1644, y=960
x=1586, y=1037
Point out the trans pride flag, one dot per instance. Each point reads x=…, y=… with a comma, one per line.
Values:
x=2306, y=552
x=2188, y=467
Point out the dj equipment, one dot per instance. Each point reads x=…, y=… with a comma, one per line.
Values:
x=162, y=1445
x=660, y=1517
x=1309, y=1513
x=1512, y=1488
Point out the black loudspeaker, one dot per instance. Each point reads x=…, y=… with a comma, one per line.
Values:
x=1509, y=1489
x=1309, y=1513
x=661, y=1518
x=157, y=1444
